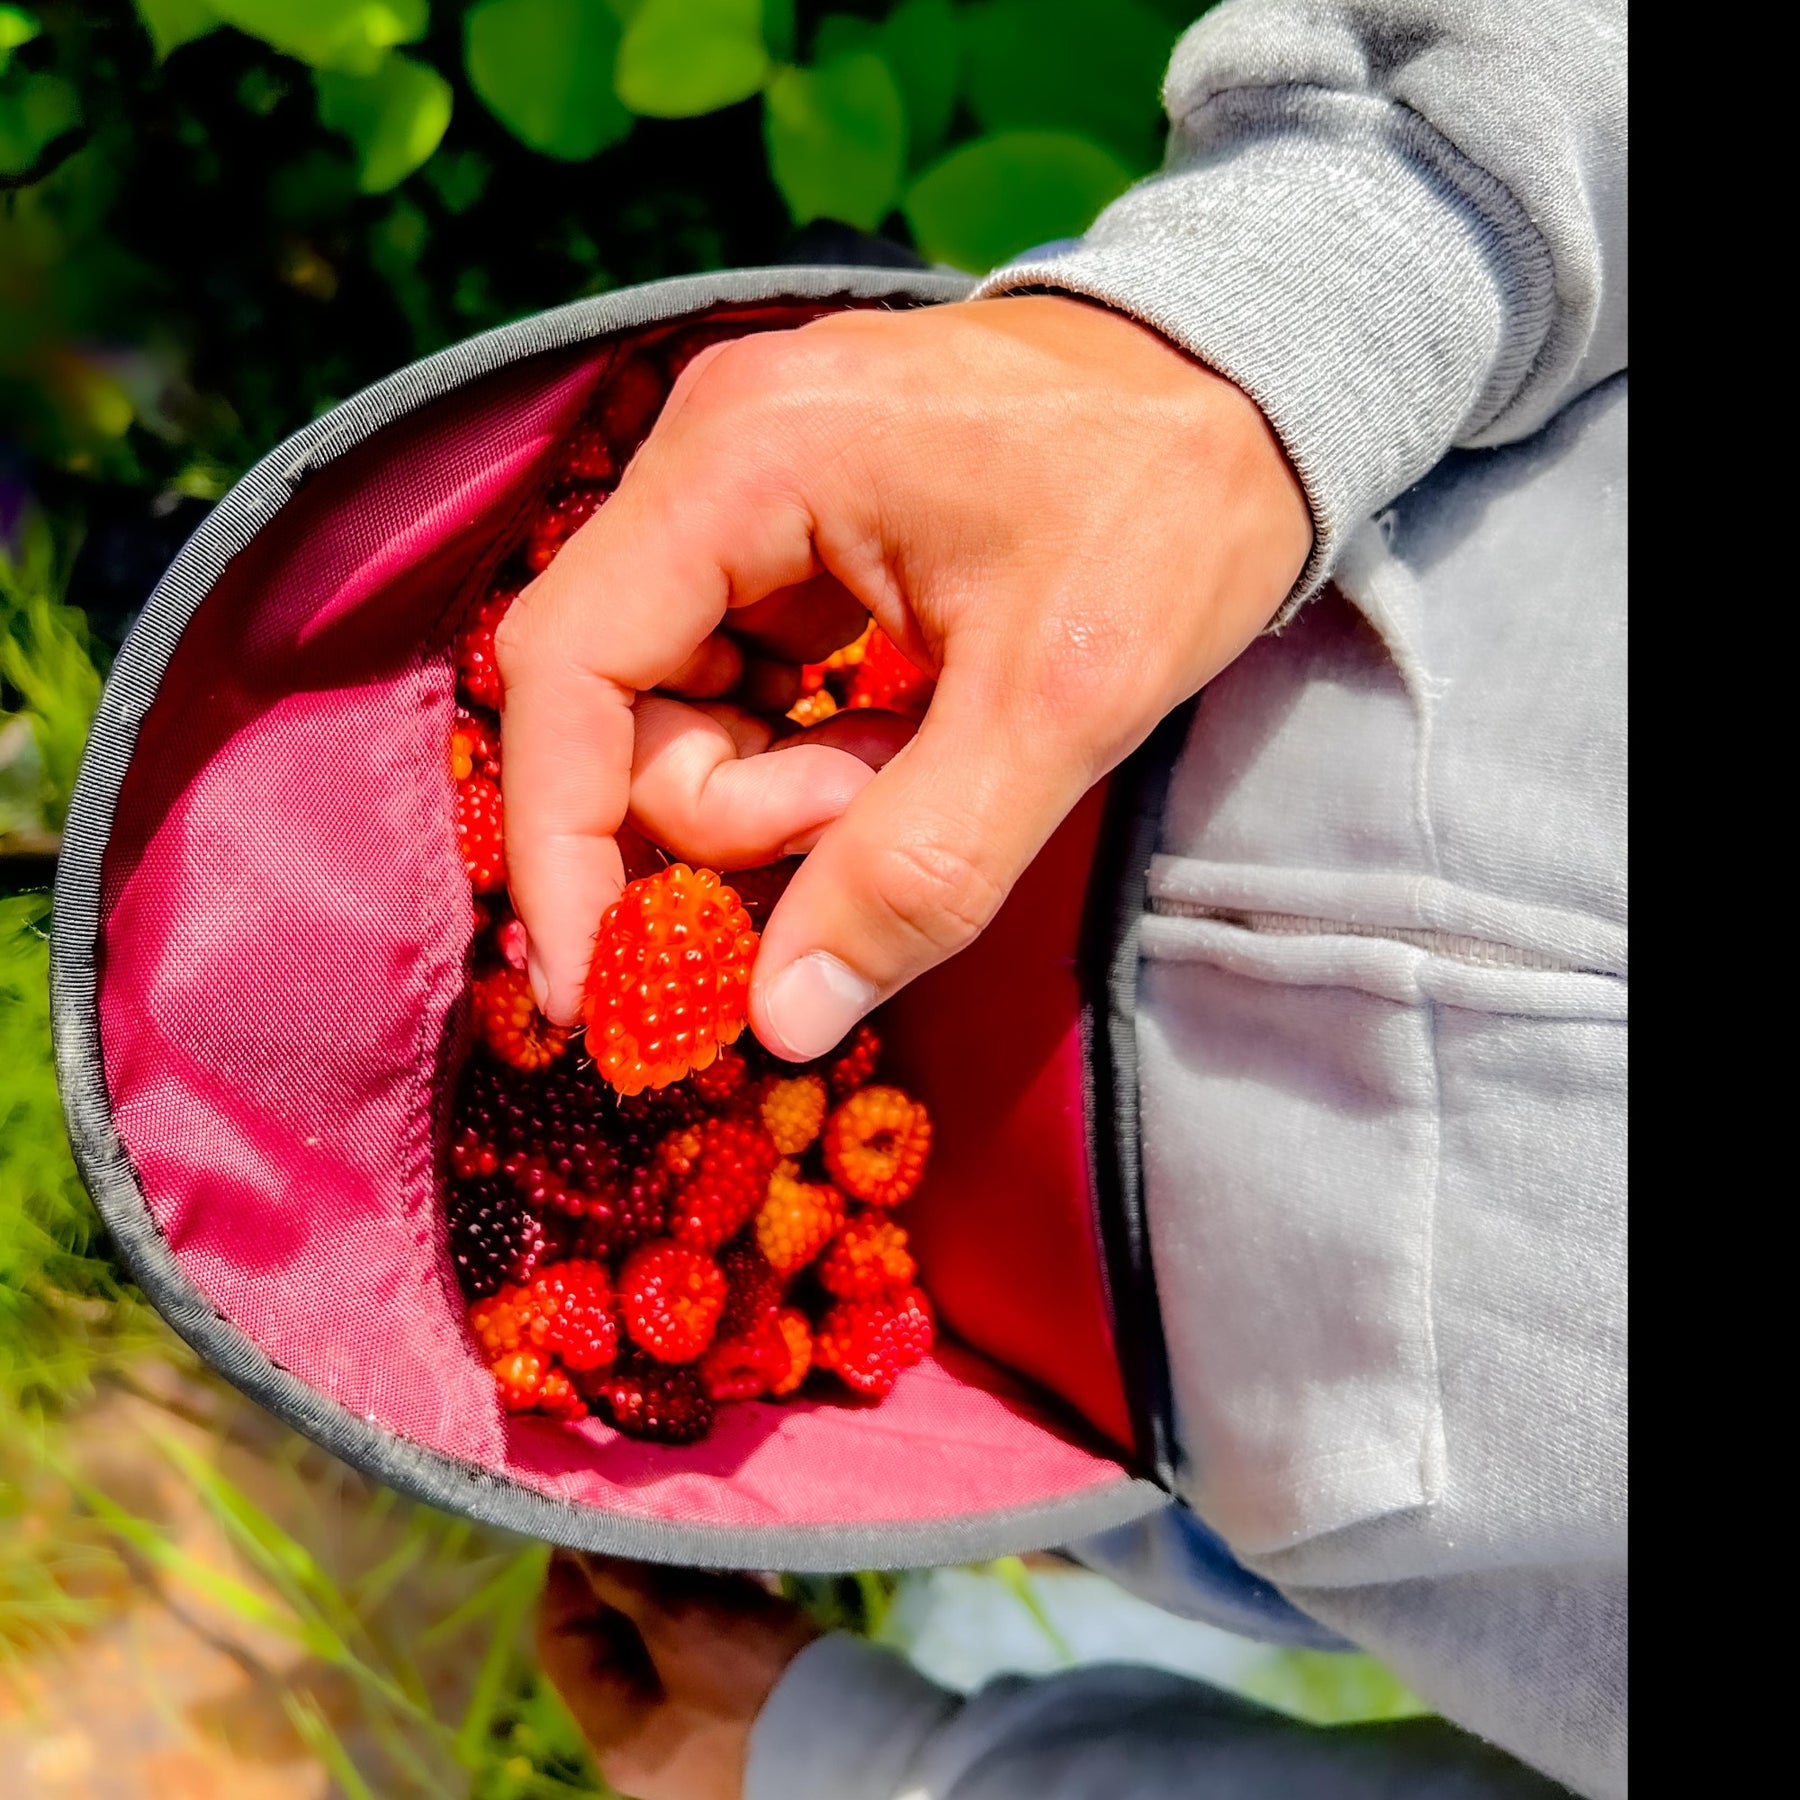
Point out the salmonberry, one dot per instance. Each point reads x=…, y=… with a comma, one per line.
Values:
x=797, y=1220
x=511, y=1025
x=481, y=833
x=742, y=1367
x=752, y=1289
x=670, y=978
x=530, y=1381
x=876, y=1144
x=816, y=677
x=668, y=1406
x=793, y=1110
x=556, y=521
x=472, y=1156
x=627, y=406
x=585, y=456
x=494, y=1238
x=476, y=668
x=671, y=1296
x=868, y=1259
x=885, y=679
x=720, y=1172
x=797, y=1334
x=565, y=1310
x=867, y=1343
x=813, y=709
x=474, y=746
x=854, y=1066
x=723, y=1078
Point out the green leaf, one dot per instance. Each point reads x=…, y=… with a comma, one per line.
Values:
x=544, y=69
x=919, y=43
x=779, y=27
x=17, y=27
x=33, y=114
x=1088, y=66
x=395, y=118
x=680, y=58
x=840, y=33
x=837, y=140
x=987, y=201
x=347, y=35
x=172, y=23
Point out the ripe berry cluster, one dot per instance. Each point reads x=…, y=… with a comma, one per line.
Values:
x=649, y=1217
x=870, y=672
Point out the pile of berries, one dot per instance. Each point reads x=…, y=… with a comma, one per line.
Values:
x=872, y=671
x=648, y=1216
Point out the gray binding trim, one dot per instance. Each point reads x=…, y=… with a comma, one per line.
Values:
x=106, y=1165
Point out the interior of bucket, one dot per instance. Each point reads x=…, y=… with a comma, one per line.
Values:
x=286, y=927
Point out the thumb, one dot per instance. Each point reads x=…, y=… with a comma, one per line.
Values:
x=915, y=867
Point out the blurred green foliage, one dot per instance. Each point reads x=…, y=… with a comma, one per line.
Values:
x=219, y=217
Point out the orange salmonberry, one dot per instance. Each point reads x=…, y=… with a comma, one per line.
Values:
x=510, y=1024
x=797, y=1220
x=868, y=1259
x=876, y=1144
x=793, y=1111
x=670, y=978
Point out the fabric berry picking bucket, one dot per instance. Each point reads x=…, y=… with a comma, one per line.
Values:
x=261, y=938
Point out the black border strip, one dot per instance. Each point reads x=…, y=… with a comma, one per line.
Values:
x=100, y=1153
x=1111, y=935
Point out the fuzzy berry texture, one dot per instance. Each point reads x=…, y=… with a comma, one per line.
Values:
x=653, y=1218
x=669, y=983
x=876, y=1144
x=671, y=1296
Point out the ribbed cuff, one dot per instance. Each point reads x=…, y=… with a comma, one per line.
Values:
x=846, y=1722
x=1373, y=291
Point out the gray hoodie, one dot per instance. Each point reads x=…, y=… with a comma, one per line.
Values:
x=1382, y=1009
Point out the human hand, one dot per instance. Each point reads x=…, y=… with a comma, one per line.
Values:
x=1070, y=523
x=665, y=1670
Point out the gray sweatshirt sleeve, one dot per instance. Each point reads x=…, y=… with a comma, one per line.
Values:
x=1399, y=225
x=853, y=1722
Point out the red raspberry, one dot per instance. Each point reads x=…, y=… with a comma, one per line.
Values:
x=793, y=1110
x=529, y=1381
x=797, y=1220
x=868, y=1260
x=752, y=1289
x=669, y=1406
x=565, y=1310
x=876, y=1144
x=511, y=1025
x=742, y=1367
x=494, y=1239
x=885, y=679
x=481, y=833
x=866, y=1343
x=474, y=746
x=672, y=1297
x=855, y=1064
x=720, y=1169
x=723, y=1079
x=670, y=978
x=476, y=668
x=560, y=517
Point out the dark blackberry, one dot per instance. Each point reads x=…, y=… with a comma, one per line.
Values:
x=494, y=1237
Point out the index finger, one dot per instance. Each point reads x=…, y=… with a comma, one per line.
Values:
x=702, y=522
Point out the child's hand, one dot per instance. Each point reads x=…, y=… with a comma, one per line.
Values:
x=1069, y=522
x=665, y=1670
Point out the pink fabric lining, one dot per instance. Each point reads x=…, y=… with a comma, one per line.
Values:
x=286, y=921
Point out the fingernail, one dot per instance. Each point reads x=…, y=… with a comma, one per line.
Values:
x=540, y=982
x=813, y=1002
